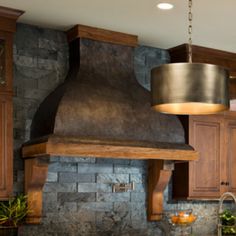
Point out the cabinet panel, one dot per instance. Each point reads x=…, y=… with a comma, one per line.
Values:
x=5, y=62
x=5, y=146
x=204, y=174
x=230, y=128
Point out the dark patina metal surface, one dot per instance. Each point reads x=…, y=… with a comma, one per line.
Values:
x=101, y=98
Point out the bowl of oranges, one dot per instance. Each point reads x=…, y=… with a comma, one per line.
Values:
x=181, y=217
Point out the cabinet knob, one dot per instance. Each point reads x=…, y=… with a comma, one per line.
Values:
x=2, y=82
x=223, y=183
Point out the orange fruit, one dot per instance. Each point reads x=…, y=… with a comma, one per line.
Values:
x=174, y=219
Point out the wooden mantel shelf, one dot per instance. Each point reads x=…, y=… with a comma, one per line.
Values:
x=75, y=146
x=161, y=158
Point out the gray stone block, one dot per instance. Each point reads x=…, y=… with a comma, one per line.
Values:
x=29, y=72
x=95, y=168
x=49, y=81
x=112, y=178
x=121, y=207
x=26, y=36
x=86, y=215
x=137, y=178
x=60, y=187
x=78, y=159
x=96, y=206
x=94, y=187
x=113, y=197
x=47, y=64
x=124, y=169
x=52, y=177
x=36, y=94
x=25, y=61
x=138, y=197
x=138, y=211
x=49, y=202
x=68, y=177
x=140, y=187
x=112, y=161
x=62, y=167
x=67, y=207
x=76, y=197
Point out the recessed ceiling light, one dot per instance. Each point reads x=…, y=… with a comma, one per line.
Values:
x=165, y=5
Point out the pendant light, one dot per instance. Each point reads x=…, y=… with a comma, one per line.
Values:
x=189, y=88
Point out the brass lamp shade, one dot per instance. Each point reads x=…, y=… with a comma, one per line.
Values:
x=189, y=88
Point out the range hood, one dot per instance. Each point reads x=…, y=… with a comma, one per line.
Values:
x=101, y=105
x=102, y=111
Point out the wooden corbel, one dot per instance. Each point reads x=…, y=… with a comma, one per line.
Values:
x=36, y=171
x=159, y=174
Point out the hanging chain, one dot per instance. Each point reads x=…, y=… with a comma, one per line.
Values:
x=190, y=18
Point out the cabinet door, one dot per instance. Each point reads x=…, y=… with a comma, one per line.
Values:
x=230, y=153
x=6, y=147
x=205, y=173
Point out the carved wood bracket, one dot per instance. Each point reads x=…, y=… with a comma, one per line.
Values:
x=36, y=171
x=159, y=174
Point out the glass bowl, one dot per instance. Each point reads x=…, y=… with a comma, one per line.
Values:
x=181, y=217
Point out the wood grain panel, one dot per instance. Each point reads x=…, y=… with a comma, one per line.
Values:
x=88, y=32
x=109, y=149
x=6, y=152
x=204, y=174
x=230, y=154
x=7, y=38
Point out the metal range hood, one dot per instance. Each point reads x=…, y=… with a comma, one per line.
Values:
x=101, y=110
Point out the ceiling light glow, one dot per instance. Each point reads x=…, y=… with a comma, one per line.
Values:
x=165, y=5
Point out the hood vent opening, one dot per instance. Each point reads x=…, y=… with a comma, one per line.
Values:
x=102, y=111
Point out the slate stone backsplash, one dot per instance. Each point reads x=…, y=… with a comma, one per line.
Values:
x=78, y=198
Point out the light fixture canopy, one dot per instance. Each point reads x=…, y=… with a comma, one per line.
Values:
x=190, y=88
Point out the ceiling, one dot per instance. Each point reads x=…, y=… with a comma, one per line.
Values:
x=213, y=20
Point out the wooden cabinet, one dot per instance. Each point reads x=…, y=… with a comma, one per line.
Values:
x=8, y=19
x=6, y=146
x=213, y=136
x=209, y=56
x=230, y=153
x=214, y=173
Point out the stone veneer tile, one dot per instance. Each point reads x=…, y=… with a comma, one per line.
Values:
x=78, y=159
x=125, y=169
x=113, y=161
x=138, y=197
x=137, y=178
x=94, y=168
x=71, y=177
x=52, y=177
x=112, y=178
x=62, y=167
x=67, y=207
x=94, y=187
x=113, y=197
x=76, y=197
x=60, y=187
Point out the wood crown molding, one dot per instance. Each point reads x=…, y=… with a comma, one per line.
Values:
x=8, y=17
x=108, y=36
x=10, y=13
x=205, y=55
